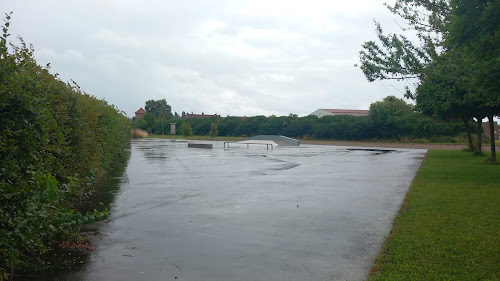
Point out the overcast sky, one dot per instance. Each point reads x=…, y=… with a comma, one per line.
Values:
x=239, y=58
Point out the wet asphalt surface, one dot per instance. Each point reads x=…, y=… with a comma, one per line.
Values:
x=293, y=213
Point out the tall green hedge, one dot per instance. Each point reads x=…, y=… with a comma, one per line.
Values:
x=413, y=125
x=54, y=141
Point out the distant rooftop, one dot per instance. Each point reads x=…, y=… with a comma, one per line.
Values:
x=191, y=115
x=140, y=111
x=353, y=112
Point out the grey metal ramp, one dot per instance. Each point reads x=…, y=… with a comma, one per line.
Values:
x=281, y=140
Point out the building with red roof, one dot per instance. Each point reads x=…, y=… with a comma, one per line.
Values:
x=139, y=114
x=202, y=115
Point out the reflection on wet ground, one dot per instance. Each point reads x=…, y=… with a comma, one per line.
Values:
x=292, y=213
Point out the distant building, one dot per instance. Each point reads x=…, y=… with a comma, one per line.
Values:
x=496, y=130
x=202, y=115
x=139, y=114
x=328, y=112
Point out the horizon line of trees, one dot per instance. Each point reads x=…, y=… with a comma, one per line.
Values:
x=391, y=118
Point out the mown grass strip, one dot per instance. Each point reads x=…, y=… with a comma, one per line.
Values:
x=448, y=227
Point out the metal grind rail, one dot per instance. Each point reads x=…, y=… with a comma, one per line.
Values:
x=248, y=144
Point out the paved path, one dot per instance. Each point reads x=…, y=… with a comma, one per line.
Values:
x=293, y=213
x=394, y=145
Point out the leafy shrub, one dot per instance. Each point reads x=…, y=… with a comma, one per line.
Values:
x=54, y=140
x=186, y=129
x=213, y=130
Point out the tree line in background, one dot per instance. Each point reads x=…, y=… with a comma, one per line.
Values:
x=54, y=141
x=390, y=119
x=455, y=61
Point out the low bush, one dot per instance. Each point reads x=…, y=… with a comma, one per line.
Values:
x=186, y=129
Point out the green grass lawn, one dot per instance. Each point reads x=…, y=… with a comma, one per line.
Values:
x=449, y=225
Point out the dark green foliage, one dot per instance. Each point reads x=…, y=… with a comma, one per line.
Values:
x=159, y=107
x=213, y=130
x=227, y=125
x=301, y=127
x=456, y=59
x=395, y=56
x=54, y=140
x=392, y=119
x=186, y=130
x=475, y=30
x=389, y=117
x=343, y=127
x=251, y=126
x=201, y=127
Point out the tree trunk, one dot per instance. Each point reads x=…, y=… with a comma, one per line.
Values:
x=469, y=136
x=493, y=157
x=479, y=135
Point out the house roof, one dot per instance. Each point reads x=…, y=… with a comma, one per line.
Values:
x=191, y=115
x=140, y=111
x=355, y=112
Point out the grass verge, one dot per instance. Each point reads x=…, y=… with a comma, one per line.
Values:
x=448, y=227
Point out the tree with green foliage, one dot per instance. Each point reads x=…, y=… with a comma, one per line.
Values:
x=162, y=117
x=158, y=113
x=250, y=126
x=395, y=114
x=150, y=122
x=386, y=116
x=302, y=127
x=457, y=53
x=213, y=130
x=186, y=129
x=396, y=56
x=228, y=125
x=475, y=31
x=446, y=95
x=155, y=107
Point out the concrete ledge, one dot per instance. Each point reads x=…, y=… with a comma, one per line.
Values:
x=200, y=145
